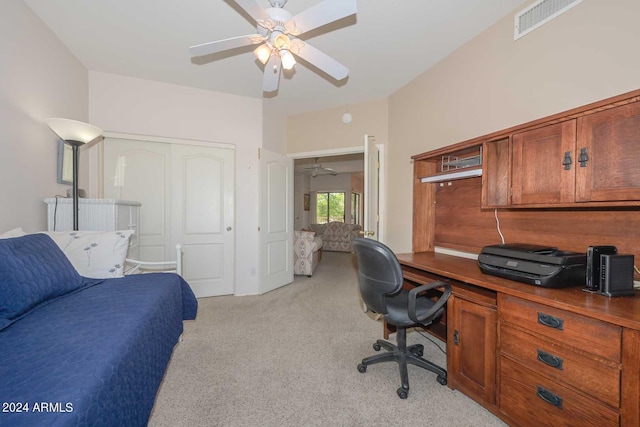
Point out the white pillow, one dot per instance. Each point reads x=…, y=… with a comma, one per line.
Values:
x=16, y=232
x=95, y=254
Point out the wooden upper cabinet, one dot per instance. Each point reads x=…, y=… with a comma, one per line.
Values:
x=609, y=141
x=538, y=173
x=496, y=161
x=588, y=157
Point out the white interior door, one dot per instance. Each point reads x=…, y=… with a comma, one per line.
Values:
x=187, y=196
x=276, y=225
x=371, y=188
x=141, y=171
x=202, y=216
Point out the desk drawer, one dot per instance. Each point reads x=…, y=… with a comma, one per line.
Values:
x=533, y=400
x=591, y=335
x=546, y=357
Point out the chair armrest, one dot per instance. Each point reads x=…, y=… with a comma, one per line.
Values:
x=413, y=294
x=306, y=235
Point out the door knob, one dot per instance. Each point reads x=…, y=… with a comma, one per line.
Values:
x=228, y=228
x=369, y=233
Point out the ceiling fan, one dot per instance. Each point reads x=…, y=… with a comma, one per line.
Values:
x=277, y=34
x=317, y=169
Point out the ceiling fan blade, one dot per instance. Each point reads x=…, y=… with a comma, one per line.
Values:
x=271, y=74
x=323, y=61
x=256, y=11
x=226, y=44
x=324, y=13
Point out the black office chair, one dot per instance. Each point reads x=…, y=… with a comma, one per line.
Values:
x=380, y=279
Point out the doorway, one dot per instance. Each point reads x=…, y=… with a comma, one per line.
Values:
x=350, y=160
x=327, y=188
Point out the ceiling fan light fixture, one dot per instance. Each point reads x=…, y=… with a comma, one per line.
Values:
x=279, y=30
x=281, y=41
x=288, y=61
x=262, y=52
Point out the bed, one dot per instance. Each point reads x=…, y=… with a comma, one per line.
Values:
x=76, y=351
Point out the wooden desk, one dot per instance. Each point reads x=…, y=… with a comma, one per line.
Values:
x=537, y=356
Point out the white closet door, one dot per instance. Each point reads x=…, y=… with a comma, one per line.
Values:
x=187, y=196
x=202, y=216
x=141, y=171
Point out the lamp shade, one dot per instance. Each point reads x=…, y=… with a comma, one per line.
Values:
x=72, y=130
x=262, y=52
x=288, y=61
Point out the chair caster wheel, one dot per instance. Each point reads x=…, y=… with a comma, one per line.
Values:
x=403, y=393
x=418, y=353
x=362, y=368
x=442, y=380
x=377, y=347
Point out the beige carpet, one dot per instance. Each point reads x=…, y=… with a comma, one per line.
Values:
x=289, y=357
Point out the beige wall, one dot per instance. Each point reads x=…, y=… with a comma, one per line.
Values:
x=325, y=130
x=143, y=107
x=492, y=82
x=274, y=127
x=40, y=78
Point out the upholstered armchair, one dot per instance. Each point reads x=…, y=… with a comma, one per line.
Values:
x=307, y=251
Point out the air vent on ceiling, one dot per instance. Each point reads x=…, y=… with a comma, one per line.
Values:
x=540, y=13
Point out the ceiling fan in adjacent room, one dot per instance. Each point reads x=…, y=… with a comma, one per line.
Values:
x=317, y=169
x=277, y=36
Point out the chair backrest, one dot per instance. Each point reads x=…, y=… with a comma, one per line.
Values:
x=379, y=273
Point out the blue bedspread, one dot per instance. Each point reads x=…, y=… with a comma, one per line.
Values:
x=94, y=357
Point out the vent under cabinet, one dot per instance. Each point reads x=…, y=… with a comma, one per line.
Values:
x=540, y=13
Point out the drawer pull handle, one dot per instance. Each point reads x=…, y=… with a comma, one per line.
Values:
x=551, y=321
x=550, y=359
x=550, y=398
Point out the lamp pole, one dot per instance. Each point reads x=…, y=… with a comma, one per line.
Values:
x=75, y=145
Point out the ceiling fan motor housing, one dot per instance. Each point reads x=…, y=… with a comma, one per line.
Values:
x=280, y=17
x=278, y=3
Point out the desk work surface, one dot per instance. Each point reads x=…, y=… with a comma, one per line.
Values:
x=622, y=311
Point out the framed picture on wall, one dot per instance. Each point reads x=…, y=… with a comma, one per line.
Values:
x=307, y=199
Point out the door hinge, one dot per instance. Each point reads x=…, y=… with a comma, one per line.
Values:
x=258, y=153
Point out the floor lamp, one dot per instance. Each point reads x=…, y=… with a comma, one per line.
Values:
x=75, y=134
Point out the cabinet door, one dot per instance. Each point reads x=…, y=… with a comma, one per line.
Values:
x=495, y=173
x=610, y=140
x=471, y=347
x=538, y=174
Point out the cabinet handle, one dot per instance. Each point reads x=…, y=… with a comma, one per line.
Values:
x=456, y=337
x=583, y=157
x=567, y=160
x=549, y=359
x=549, y=397
x=551, y=321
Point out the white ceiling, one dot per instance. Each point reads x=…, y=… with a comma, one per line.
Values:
x=386, y=46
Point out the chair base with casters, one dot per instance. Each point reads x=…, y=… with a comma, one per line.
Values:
x=381, y=287
x=405, y=356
